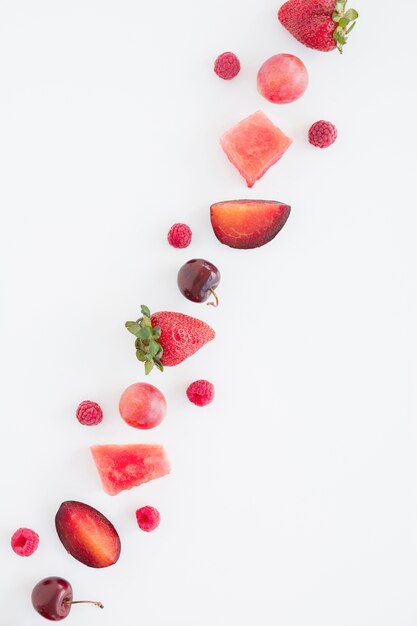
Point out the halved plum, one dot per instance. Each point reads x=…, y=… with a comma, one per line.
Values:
x=248, y=223
x=87, y=534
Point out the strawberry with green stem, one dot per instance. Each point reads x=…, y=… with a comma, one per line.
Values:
x=148, y=350
x=166, y=338
x=319, y=24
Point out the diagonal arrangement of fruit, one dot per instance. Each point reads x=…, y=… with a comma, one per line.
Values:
x=166, y=338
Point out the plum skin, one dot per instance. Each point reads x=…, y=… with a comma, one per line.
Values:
x=142, y=406
x=282, y=79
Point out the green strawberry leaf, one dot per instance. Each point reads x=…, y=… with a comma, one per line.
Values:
x=351, y=27
x=343, y=22
x=153, y=347
x=140, y=355
x=145, y=333
x=351, y=15
x=133, y=327
x=338, y=35
x=148, y=350
x=340, y=6
x=146, y=321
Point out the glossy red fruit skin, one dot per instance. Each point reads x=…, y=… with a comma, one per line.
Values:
x=142, y=406
x=196, y=278
x=51, y=598
x=282, y=79
x=87, y=534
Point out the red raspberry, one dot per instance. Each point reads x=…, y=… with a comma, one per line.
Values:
x=148, y=518
x=201, y=392
x=180, y=235
x=89, y=413
x=227, y=65
x=24, y=542
x=322, y=134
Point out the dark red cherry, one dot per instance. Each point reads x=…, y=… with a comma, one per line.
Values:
x=52, y=598
x=197, y=280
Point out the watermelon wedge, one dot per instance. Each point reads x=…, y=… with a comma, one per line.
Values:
x=254, y=145
x=124, y=467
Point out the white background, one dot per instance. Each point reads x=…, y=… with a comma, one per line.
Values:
x=293, y=497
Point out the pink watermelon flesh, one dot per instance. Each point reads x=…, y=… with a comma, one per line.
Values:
x=124, y=467
x=254, y=145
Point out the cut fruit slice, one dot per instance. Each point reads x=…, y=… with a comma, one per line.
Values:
x=87, y=535
x=124, y=467
x=254, y=145
x=248, y=223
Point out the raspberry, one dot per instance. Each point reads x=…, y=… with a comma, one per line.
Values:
x=148, y=518
x=201, y=392
x=89, y=413
x=322, y=134
x=179, y=236
x=227, y=65
x=24, y=542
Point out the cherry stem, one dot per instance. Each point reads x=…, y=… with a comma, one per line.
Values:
x=99, y=604
x=216, y=303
